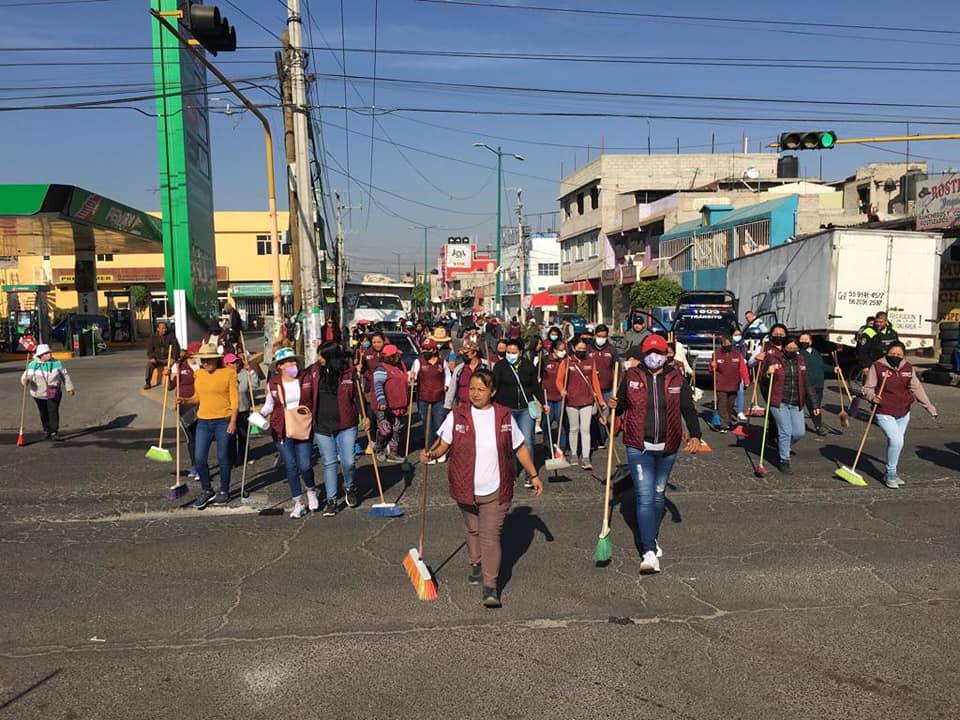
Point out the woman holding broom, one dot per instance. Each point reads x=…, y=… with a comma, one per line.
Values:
x=789, y=390
x=653, y=401
x=893, y=404
x=482, y=439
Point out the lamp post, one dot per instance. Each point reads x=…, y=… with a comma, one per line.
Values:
x=499, y=153
x=426, y=282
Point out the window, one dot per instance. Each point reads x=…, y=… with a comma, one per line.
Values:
x=548, y=269
x=578, y=252
x=594, y=247
x=594, y=198
x=105, y=257
x=566, y=208
x=579, y=203
x=565, y=250
x=265, y=247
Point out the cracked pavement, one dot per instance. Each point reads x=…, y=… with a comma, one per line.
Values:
x=797, y=597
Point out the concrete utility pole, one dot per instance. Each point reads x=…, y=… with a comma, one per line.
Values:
x=521, y=253
x=309, y=261
x=283, y=61
x=341, y=266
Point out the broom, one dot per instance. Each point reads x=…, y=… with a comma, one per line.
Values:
x=715, y=418
x=755, y=409
x=844, y=415
x=382, y=508
x=604, y=549
x=406, y=466
x=760, y=471
x=251, y=429
x=23, y=404
x=418, y=571
x=180, y=488
x=158, y=452
x=850, y=474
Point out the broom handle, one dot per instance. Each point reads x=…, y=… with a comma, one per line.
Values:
x=873, y=411
x=756, y=383
x=563, y=400
x=423, y=501
x=177, y=397
x=714, y=372
x=23, y=400
x=373, y=456
x=166, y=374
x=406, y=450
x=766, y=421
x=607, y=490
x=843, y=382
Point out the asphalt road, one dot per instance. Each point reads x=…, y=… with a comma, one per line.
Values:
x=781, y=597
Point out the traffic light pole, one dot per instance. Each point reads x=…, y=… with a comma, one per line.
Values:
x=271, y=184
x=886, y=139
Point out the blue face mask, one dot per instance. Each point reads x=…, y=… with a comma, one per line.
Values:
x=365, y=344
x=512, y=358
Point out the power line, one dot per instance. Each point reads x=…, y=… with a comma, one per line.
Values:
x=373, y=102
x=252, y=19
x=346, y=113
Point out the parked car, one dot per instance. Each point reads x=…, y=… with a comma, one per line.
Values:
x=579, y=322
x=408, y=350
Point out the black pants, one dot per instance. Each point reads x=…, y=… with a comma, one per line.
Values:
x=817, y=393
x=49, y=414
x=151, y=366
x=243, y=428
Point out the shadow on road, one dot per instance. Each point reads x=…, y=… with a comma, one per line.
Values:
x=868, y=465
x=26, y=691
x=519, y=528
x=948, y=458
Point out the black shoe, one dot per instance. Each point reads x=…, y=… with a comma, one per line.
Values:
x=48, y=436
x=785, y=468
x=821, y=431
x=330, y=509
x=352, y=499
x=476, y=574
x=147, y=386
x=222, y=498
x=57, y=437
x=203, y=500
x=490, y=598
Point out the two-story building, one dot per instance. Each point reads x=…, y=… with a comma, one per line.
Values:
x=541, y=269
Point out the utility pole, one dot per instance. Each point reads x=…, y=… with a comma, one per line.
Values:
x=308, y=260
x=283, y=61
x=426, y=264
x=521, y=253
x=341, y=266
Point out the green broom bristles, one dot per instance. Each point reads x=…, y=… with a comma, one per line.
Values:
x=851, y=476
x=159, y=454
x=604, y=550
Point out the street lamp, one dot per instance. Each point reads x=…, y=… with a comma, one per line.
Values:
x=425, y=278
x=499, y=153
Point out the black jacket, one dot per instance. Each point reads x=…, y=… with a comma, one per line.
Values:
x=873, y=345
x=508, y=391
x=157, y=347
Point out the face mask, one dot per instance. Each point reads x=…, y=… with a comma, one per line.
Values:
x=466, y=357
x=428, y=353
x=365, y=344
x=511, y=358
x=777, y=341
x=291, y=371
x=581, y=354
x=654, y=361
x=804, y=346
x=737, y=338
x=554, y=338
x=893, y=360
x=600, y=341
x=561, y=354
x=789, y=354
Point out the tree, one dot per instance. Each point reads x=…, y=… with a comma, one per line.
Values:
x=655, y=293
x=583, y=307
x=421, y=294
x=139, y=297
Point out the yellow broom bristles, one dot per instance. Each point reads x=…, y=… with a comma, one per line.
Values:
x=420, y=576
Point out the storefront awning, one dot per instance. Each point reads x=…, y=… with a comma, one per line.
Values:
x=576, y=287
x=543, y=299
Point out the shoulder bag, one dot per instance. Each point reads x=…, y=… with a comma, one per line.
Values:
x=298, y=421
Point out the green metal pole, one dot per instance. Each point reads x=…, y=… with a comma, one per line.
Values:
x=499, y=193
x=426, y=300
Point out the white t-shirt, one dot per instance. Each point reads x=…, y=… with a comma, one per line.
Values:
x=486, y=466
x=291, y=394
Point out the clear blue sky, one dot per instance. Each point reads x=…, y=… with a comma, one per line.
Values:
x=114, y=151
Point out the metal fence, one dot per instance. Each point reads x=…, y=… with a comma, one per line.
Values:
x=752, y=237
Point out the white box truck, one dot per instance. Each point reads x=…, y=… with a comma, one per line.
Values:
x=828, y=283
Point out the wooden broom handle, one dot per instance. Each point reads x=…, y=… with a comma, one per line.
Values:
x=873, y=411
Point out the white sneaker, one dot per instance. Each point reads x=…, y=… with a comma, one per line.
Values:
x=299, y=510
x=650, y=564
x=442, y=459
x=659, y=549
x=313, y=502
x=741, y=417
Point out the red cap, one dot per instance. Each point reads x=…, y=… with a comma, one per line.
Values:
x=389, y=350
x=428, y=344
x=193, y=347
x=654, y=343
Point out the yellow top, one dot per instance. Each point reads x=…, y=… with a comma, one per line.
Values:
x=217, y=393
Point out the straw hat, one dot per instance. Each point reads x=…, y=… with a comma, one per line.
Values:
x=207, y=351
x=440, y=336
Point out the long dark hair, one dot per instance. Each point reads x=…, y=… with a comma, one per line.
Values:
x=336, y=364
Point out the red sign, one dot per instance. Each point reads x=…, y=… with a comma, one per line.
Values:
x=28, y=343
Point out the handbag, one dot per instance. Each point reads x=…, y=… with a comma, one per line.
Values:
x=533, y=407
x=298, y=421
x=54, y=392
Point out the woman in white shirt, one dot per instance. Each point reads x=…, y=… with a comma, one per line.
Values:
x=482, y=439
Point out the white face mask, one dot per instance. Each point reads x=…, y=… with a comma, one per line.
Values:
x=561, y=354
x=600, y=341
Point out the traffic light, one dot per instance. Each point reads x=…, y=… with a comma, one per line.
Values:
x=209, y=28
x=819, y=140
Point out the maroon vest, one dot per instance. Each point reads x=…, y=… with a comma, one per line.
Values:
x=186, y=379
x=463, y=454
x=604, y=359
x=431, y=381
x=896, y=398
x=775, y=357
x=369, y=359
x=728, y=370
x=349, y=417
x=579, y=389
x=463, y=382
x=551, y=368
x=395, y=388
x=308, y=395
x=635, y=417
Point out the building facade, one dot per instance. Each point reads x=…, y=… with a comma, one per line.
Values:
x=541, y=269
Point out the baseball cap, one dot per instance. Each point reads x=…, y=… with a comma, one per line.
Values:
x=389, y=350
x=654, y=343
x=428, y=344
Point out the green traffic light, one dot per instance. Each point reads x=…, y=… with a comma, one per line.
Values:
x=828, y=140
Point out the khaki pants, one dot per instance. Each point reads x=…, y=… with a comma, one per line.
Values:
x=484, y=523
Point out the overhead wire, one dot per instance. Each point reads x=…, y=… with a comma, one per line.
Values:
x=373, y=102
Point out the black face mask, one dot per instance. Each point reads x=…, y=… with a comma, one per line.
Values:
x=893, y=361
x=777, y=341
x=789, y=354
x=804, y=346
x=581, y=354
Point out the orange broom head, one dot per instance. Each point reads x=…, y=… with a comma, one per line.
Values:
x=20, y=440
x=704, y=447
x=740, y=432
x=420, y=576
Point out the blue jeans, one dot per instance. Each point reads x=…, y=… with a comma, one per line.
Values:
x=560, y=439
x=437, y=415
x=740, y=398
x=602, y=434
x=894, y=428
x=297, y=456
x=650, y=472
x=525, y=423
x=790, y=427
x=330, y=447
x=207, y=431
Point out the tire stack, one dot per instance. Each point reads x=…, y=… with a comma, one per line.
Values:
x=943, y=373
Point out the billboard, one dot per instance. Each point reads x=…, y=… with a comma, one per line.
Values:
x=459, y=253
x=938, y=202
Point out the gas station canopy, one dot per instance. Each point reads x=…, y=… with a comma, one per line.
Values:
x=62, y=219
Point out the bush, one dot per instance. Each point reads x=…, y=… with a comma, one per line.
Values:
x=655, y=293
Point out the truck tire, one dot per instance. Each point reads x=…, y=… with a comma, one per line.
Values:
x=936, y=376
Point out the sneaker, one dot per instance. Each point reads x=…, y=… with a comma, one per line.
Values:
x=222, y=498
x=650, y=564
x=330, y=509
x=48, y=436
x=602, y=446
x=146, y=386
x=313, y=502
x=57, y=437
x=892, y=482
x=900, y=481
x=352, y=499
x=203, y=500
x=723, y=429
x=193, y=473
x=393, y=459
x=489, y=598
x=585, y=464
x=476, y=574
x=821, y=431
x=528, y=482
x=442, y=459
x=659, y=549
x=785, y=467
x=299, y=510
x=741, y=417
x=432, y=462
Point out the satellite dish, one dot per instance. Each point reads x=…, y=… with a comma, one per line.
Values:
x=889, y=185
x=751, y=173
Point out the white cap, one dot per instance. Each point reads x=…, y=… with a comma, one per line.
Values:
x=42, y=349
